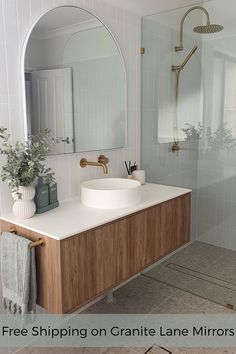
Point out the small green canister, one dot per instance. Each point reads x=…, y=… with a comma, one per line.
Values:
x=41, y=194
x=52, y=193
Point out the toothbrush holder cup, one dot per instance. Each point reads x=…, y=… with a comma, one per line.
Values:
x=139, y=175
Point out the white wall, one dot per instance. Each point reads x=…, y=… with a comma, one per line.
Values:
x=148, y=7
x=16, y=19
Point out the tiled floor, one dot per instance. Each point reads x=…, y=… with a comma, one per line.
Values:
x=154, y=350
x=148, y=295
x=154, y=297
x=203, y=270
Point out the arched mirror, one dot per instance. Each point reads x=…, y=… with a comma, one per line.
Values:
x=75, y=82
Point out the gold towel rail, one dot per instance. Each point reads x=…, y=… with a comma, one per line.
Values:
x=39, y=242
x=13, y=230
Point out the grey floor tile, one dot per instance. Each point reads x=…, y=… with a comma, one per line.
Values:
x=80, y=351
x=199, y=287
x=203, y=350
x=204, y=270
x=225, y=268
x=184, y=302
x=156, y=350
x=138, y=296
x=198, y=254
x=4, y=351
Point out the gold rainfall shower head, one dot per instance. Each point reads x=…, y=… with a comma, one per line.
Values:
x=211, y=28
x=203, y=29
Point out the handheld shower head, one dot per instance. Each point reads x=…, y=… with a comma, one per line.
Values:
x=181, y=66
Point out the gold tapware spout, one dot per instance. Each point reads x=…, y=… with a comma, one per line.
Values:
x=102, y=162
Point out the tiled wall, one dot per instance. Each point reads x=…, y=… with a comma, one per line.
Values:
x=16, y=19
x=216, y=202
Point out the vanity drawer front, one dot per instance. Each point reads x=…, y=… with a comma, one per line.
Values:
x=98, y=260
x=93, y=262
x=162, y=229
x=175, y=223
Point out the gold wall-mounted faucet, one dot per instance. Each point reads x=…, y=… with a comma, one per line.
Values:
x=102, y=162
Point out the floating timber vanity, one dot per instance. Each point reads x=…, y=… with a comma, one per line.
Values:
x=90, y=251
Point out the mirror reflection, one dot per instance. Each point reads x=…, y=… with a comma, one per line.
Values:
x=75, y=82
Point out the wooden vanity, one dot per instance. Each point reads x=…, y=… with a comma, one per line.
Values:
x=73, y=270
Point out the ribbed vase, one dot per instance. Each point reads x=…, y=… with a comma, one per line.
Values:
x=24, y=206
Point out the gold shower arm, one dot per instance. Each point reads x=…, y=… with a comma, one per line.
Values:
x=181, y=47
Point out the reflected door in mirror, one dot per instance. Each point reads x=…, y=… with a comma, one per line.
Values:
x=52, y=107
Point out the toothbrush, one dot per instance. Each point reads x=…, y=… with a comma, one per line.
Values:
x=127, y=167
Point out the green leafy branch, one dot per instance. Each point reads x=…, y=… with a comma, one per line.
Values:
x=221, y=138
x=24, y=161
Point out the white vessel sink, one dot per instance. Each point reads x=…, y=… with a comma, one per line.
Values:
x=110, y=193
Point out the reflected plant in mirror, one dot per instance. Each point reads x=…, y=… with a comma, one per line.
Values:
x=220, y=139
x=75, y=82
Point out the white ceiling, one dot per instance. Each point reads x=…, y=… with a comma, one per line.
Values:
x=148, y=7
x=62, y=17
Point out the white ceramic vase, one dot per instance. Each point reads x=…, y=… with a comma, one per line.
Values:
x=24, y=206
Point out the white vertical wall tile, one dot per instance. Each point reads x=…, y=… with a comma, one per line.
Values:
x=4, y=115
x=2, y=37
x=111, y=12
x=4, y=109
x=12, y=56
x=88, y=4
x=3, y=76
x=62, y=2
x=11, y=46
x=23, y=15
x=47, y=5
x=36, y=10
x=16, y=127
x=79, y=3
x=16, y=19
x=6, y=199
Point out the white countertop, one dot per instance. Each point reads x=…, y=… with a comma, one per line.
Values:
x=72, y=218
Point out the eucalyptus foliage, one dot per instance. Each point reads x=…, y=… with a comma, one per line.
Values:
x=220, y=139
x=24, y=161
